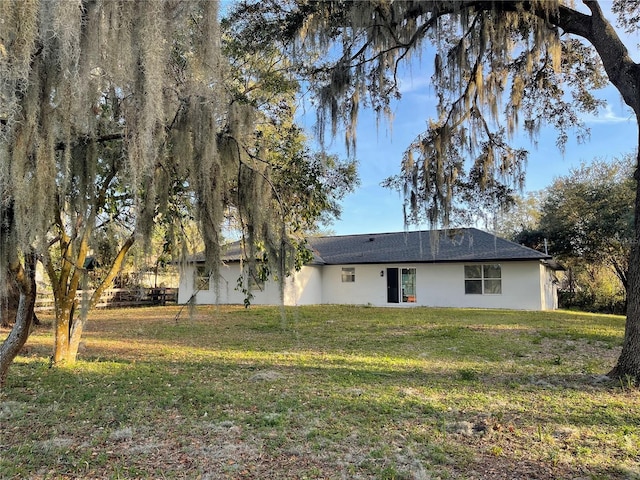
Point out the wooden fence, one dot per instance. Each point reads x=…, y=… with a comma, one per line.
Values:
x=118, y=297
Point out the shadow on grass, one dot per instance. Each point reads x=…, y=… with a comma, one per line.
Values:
x=330, y=405
x=357, y=385
x=366, y=382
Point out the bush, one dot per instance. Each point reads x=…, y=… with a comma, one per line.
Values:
x=589, y=301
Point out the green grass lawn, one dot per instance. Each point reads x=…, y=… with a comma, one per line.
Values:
x=330, y=392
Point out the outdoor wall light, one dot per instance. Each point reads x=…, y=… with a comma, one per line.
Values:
x=382, y=273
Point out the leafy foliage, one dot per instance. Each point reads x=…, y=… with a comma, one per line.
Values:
x=305, y=186
x=588, y=214
x=592, y=288
x=585, y=219
x=521, y=220
x=628, y=14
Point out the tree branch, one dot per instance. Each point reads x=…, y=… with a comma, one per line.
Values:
x=113, y=271
x=101, y=139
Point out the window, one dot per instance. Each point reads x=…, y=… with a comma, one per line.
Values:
x=401, y=285
x=201, y=280
x=348, y=275
x=483, y=279
x=409, y=285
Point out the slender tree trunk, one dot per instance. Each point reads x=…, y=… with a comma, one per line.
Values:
x=64, y=319
x=9, y=304
x=76, y=335
x=25, y=278
x=70, y=323
x=629, y=362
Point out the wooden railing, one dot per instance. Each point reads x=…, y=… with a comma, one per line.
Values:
x=119, y=297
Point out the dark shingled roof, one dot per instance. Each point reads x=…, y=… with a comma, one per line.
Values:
x=453, y=245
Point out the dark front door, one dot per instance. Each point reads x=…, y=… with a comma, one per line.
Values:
x=392, y=286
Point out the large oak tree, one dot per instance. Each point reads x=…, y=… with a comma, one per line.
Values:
x=499, y=67
x=95, y=93
x=134, y=112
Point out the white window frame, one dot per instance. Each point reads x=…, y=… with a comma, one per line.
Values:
x=201, y=278
x=348, y=274
x=486, y=277
x=404, y=296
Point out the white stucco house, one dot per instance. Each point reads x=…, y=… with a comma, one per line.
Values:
x=463, y=267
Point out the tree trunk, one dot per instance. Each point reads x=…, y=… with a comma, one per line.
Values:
x=69, y=323
x=9, y=301
x=65, y=308
x=68, y=333
x=624, y=74
x=629, y=362
x=25, y=278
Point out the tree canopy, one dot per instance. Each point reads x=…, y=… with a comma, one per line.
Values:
x=498, y=68
x=77, y=75
x=585, y=220
x=522, y=216
x=589, y=214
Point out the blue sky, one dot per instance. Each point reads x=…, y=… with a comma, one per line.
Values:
x=373, y=209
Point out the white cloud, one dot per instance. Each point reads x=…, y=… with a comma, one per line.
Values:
x=610, y=116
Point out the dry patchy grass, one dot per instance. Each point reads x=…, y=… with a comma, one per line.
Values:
x=326, y=392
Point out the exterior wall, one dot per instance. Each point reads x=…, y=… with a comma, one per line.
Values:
x=437, y=285
x=549, y=288
x=302, y=289
x=526, y=285
x=185, y=287
x=443, y=286
x=305, y=287
x=369, y=287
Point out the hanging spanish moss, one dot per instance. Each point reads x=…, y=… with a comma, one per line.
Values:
x=104, y=102
x=148, y=74
x=497, y=68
